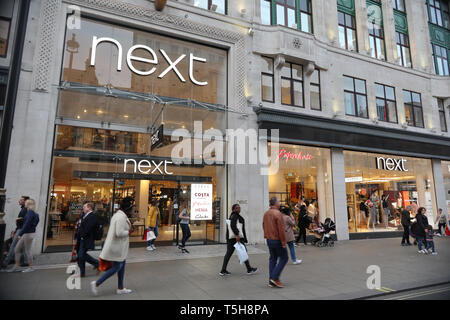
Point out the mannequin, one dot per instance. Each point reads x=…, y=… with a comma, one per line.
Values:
x=387, y=211
x=376, y=204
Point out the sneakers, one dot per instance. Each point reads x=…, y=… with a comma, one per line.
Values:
x=252, y=271
x=434, y=253
x=94, y=288
x=224, y=273
x=184, y=251
x=153, y=246
x=297, y=261
x=276, y=283
x=422, y=251
x=30, y=269
x=124, y=291
x=150, y=248
x=14, y=269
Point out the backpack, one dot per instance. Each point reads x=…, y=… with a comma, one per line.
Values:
x=98, y=231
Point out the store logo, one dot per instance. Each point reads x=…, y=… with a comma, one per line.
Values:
x=145, y=166
x=287, y=155
x=391, y=164
x=154, y=61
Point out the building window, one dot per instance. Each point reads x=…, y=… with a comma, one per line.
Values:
x=399, y=5
x=355, y=96
x=219, y=6
x=292, y=85
x=5, y=24
x=267, y=80
x=315, y=100
x=403, y=50
x=442, y=119
x=347, y=31
x=413, y=108
x=295, y=14
x=386, y=104
x=440, y=60
x=376, y=39
x=438, y=13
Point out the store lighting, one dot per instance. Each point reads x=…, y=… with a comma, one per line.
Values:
x=85, y=111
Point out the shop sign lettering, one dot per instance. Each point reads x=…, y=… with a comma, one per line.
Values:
x=391, y=164
x=153, y=61
x=145, y=166
x=287, y=155
x=201, y=201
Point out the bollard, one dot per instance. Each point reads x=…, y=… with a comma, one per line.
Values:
x=2, y=222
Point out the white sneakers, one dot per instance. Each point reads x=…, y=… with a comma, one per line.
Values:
x=94, y=288
x=297, y=261
x=30, y=269
x=151, y=247
x=123, y=291
x=118, y=291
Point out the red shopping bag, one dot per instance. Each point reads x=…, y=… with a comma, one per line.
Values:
x=447, y=232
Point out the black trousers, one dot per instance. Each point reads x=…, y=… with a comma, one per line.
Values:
x=440, y=227
x=405, y=238
x=301, y=233
x=230, y=250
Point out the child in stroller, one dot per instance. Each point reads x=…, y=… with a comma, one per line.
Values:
x=322, y=236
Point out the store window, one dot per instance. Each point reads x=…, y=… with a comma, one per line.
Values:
x=380, y=186
x=403, y=50
x=219, y=6
x=413, y=108
x=399, y=5
x=292, y=84
x=347, y=31
x=267, y=80
x=446, y=173
x=296, y=14
x=442, y=119
x=302, y=174
x=386, y=105
x=355, y=96
x=316, y=101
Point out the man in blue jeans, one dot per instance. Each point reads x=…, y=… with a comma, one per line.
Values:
x=273, y=225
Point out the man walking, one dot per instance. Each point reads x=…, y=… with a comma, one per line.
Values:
x=273, y=225
x=85, y=238
x=406, y=223
x=19, y=224
x=235, y=233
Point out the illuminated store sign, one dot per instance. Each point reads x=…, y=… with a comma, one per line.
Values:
x=287, y=155
x=391, y=164
x=145, y=166
x=201, y=201
x=153, y=61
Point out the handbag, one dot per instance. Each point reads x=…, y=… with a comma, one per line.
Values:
x=149, y=235
x=241, y=252
x=447, y=232
x=104, y=264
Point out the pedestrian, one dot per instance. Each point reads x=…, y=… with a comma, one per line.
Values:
x=406, y=223
x=153, y=219
x=26, y=236
x=429, y=241
x=420, y=228
x=442, y=218
x=115, y=249
x=274, y=233
x=19, y=224
x=303, y=223
x=235, y=233
x=86, y=238
x=289, y=223
x=184, y=224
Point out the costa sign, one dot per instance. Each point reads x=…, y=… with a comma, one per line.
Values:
x=153, y=61
x=391, y=164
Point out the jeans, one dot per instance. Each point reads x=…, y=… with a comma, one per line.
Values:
x=420, y=240
x=84, y=257
x=118, y=267
x=155, y=229
x=440, y=227
x=278, y=258
x=186, y=233
x=301, y=233
x=292, y=250
x=405, y=238
x=11, y=251
x=430, y=245
x=230, y=250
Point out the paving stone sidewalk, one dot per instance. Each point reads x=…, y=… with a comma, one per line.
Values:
x=326, y=273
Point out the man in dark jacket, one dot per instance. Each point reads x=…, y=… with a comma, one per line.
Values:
x=421, y=228
x=406, y=222
x=235, y=233
x=303, y=223
x=86, y=238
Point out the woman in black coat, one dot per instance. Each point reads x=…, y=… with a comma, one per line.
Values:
x=421, y=227
x=303, y=223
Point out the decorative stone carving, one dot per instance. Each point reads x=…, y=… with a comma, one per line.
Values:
x=297, y=43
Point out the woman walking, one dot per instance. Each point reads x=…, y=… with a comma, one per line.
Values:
x=421, y=228
x=289, y=224
x=184, y=224
x=26, y=236
x=153, y=219
x=115, y=249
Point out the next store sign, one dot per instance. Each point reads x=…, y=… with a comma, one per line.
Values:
x=391, y=164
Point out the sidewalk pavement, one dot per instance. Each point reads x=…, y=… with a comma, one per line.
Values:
x=325, y=273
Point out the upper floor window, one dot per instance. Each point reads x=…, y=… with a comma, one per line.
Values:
x=386, y=105
x=347, y=31
x=403, y=50
x=413, y=108
x=267, y=80
x=292, y=84
x=219, y=6
x=295, y=14
x=355, y=97
x=315, y=99
x=376, y=39
x=4, y=35
x=438, y=13
x=399, y=5
x=440, y=60
x=442, y=119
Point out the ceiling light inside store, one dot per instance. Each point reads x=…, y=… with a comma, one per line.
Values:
x=85, y=111
x=125, y=116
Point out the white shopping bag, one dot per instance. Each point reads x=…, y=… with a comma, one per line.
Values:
x=241, y=252
x=150, y=235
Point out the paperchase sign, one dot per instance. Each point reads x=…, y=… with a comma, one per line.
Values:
x=391, y=164
x=201, y=201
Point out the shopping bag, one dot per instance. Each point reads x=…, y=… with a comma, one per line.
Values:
x=241, y=252
x=150, y=235
x=104, y=264
x=447, y=232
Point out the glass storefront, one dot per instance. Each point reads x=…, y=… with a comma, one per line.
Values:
x=302, y=172
x=379, y=186
x=446, y=173
x=107, y=116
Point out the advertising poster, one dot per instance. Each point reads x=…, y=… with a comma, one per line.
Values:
x=201, y=202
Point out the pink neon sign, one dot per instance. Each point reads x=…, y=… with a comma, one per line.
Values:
x=287, y=155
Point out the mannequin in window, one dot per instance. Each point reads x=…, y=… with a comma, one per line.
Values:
x=372, y=214
x=376, y=203
x=386, y=210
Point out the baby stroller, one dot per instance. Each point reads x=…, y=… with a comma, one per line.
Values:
x=322, y=236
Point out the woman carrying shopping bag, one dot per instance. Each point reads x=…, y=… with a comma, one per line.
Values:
x=184, y=224
x=153, y=219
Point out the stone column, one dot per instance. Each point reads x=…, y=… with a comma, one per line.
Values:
x=318, y=17
x=331, y=22
x=321, y=192
x=362, y=29
x=390, y=39
x=438, y=177
x=339, y=193
x=142, y=187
